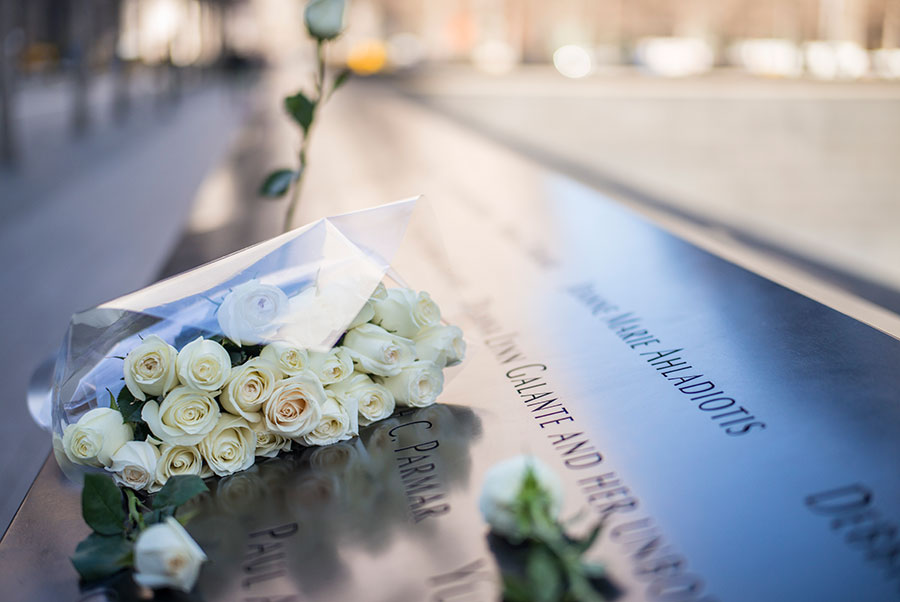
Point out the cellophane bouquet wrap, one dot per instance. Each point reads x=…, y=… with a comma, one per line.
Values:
x=297, y=341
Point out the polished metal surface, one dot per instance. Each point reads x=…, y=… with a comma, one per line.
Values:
x=586, y=328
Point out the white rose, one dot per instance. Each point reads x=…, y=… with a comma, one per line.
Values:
x=377, y=351
x=204, y=365
x=134, y=464
x=185, y=416
x=249, y=386
x=150, y=368
x=252, y=312
x=443, y=345
x=295, y=407
x=374, y=401
x=331, y=366
x=166, y=556
x=269, y=444
x=502, y=484
x=336, y=424
x=404, y=312
x=287, y=358
x=178, y=460
x=96, y=437
x=418, y=385
x=230, y=447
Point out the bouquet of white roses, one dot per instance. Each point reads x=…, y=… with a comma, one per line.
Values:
x=293, y=342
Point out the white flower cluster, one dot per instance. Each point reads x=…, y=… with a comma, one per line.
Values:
x=208, y=417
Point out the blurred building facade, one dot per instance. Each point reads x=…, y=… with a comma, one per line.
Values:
x=81, y=40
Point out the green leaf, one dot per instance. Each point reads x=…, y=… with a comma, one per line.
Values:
x=177, y=490
x=544, y=574
x=101, y=505
x=129, y=406
x=340, y=80
x=301, y=108
x=112, y=401
x=278, y=183
x=101, y=555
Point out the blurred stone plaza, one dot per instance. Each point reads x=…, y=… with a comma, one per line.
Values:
x=134, y=135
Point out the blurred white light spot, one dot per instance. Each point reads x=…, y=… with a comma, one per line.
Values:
x=887, y=62
x=836, y=60
x=495, y=57
x=675, y=57
x=768, y=57
x=572, y=61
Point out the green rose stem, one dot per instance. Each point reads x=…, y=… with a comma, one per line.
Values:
x=301, y=170
x=324, y=22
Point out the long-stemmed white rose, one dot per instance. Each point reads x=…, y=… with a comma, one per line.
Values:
x=331, y=366
x=404, y=312
x=230, y=447
x=166, y=556
x=203, y=364
x=374, y=401
x=178, y=460
x=336, y=424
x=376, y=351
x=150, y=368
x=295, y=406
x=249, y=386
x=252, y=312
x=443, y=345
x=96, y=437
x=417, y=385
x=269, y=444
x=502, y=484
x=287, y=358
x=134, y=464
x=184, y=417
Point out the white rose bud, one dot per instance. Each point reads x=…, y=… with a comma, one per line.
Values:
x=134, y=464
x=268, y=444
x=336, y=424
x=404, y=312
x=374, y=401
x=443, y=345
x=502, y=484
x=96, y=437
x=324, y=18
x=230, y=447
x=252, y=312
x=417, y=385
x=150, y=368
x=185, y=416
x=204, y=365
x=166, y=556
x=178, y=460
x=376, y=351
x=287, y=358
x=249, y=386
x=295, y=407
x=331, y=366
